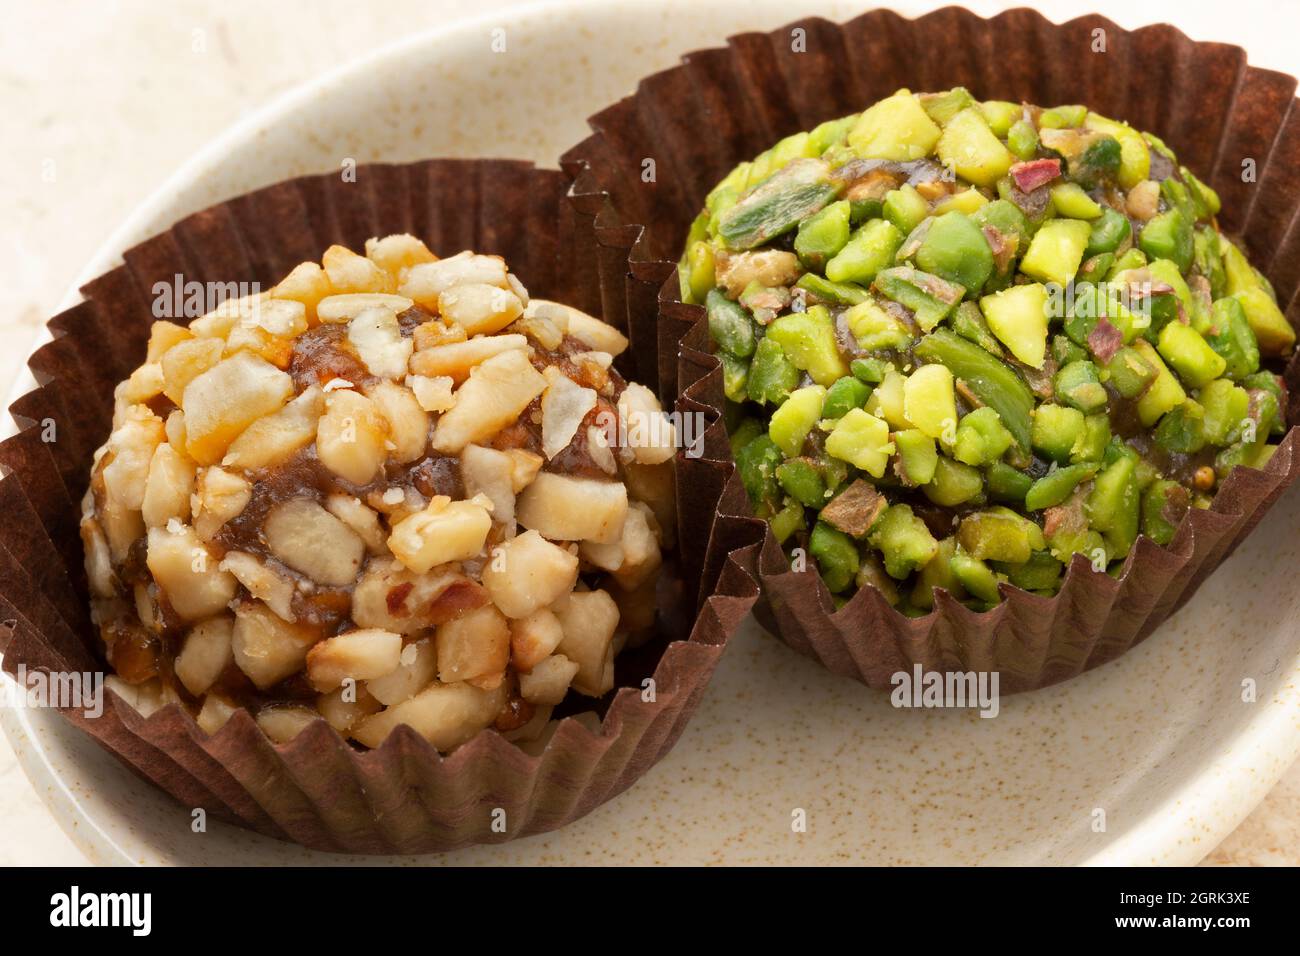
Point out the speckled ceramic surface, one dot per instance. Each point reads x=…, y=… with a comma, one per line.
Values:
x=1161, y=742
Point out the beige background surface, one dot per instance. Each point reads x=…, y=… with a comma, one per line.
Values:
x=103, y=100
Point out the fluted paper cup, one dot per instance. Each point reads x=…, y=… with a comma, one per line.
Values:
x=318, y=789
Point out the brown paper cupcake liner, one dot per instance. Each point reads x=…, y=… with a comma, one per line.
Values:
x=721, y=106
x=317, y=789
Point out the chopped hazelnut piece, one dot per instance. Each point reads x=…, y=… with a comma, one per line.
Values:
x=219, y=495
x=398, y=252
x=527, y=573
x=205, y=654
x=309, y=539
x=524, y=468
x=377, y=339
x=476, y=644
x=363, y=521
x=456, y=360
x=480, y=308
x=635, y=556
x=497, y=391
x=426, y=282
x=218, y=323
x=587, y=329
x=573, y=509
x=651, y=436
x=548, y=682
x=534, y=638
x=266, y=647
x=589, y=619
x=344, y=308
x=408, y=423
x=131, y=447
x=162, y=336
x=188, y=573
x=417, y=667
x=168, y=488
x=564, y=406
x=186, y=361
x=349, y=272
x=307, y=283
x=145, y=383
x=490, y=472
x=261, y=582
x=446, y=715
x=433, y=394
x=444, y=531
x=273, y=438
x=356, y=655
x=350, y=437
x=227, y=398
x=392, y=597
x=345, y=707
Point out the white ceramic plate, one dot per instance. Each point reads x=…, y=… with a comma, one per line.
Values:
x=1160, y=742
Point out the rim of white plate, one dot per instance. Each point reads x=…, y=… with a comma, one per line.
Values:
x=1271, y=740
